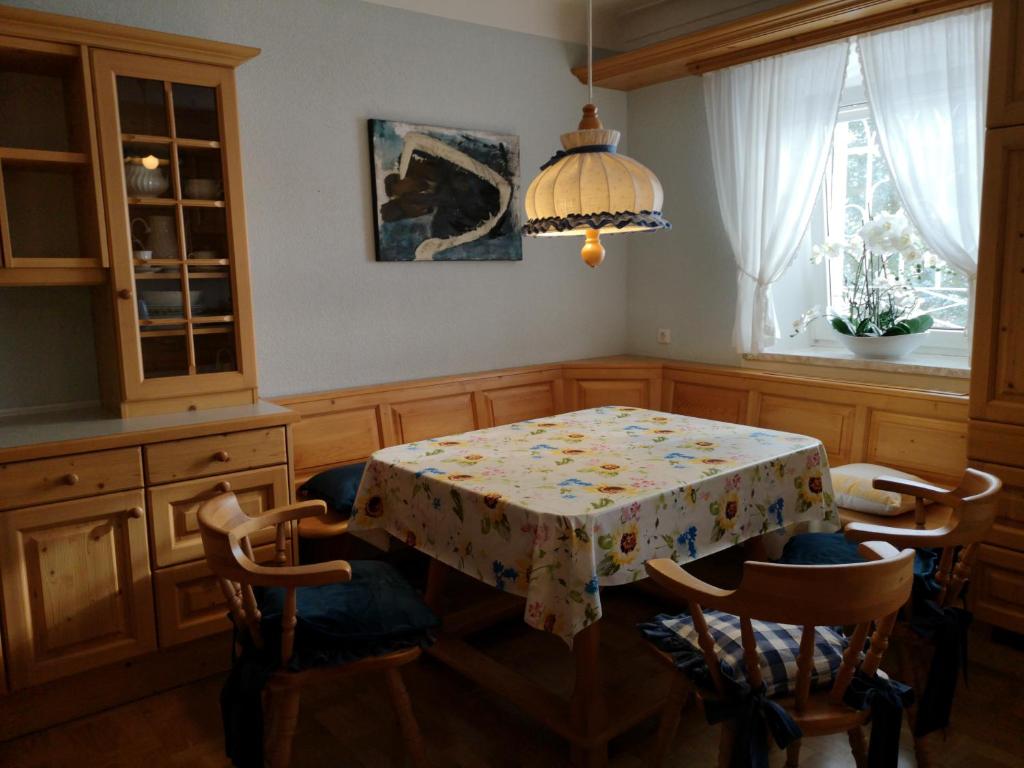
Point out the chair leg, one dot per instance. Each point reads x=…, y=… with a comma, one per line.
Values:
x=726, y=743
x=678, y=695
x=793, y=754
x=406, y=719
x=281, y=715
x=858, y=746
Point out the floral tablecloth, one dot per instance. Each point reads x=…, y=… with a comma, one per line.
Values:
x=554, y=508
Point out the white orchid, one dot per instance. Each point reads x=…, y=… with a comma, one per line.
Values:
x=830, y=249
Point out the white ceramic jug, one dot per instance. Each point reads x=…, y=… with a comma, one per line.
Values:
x=161, y=235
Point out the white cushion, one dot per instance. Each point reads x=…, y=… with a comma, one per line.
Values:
x=852, y=485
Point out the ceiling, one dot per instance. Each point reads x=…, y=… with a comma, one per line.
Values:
x=618, y=24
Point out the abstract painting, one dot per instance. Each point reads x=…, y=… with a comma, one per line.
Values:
x=441, y=194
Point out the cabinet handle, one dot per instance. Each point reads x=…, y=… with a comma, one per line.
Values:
x=223, y=486
x=135, y=512
x=222, y=456
x=70, y=479
x=125, y=293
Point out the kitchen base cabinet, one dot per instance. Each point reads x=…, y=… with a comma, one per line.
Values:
x=76, y=586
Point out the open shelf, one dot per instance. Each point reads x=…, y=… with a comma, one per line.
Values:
x=11, y=156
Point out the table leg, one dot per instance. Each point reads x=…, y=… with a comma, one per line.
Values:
x=436, y=575
x=588, y=707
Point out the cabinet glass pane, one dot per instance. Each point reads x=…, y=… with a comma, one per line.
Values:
x=215, y=348
x=201, y=174
x=160, y=299
x=206, y=237
x=40, y=90
x=195, y=112
x=211, y=292
x=164, y=353
x=142, y=106
x=147, y=171
x=44, y=211
x=154, y=233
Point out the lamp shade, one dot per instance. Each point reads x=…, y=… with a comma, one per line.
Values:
x=590, y=189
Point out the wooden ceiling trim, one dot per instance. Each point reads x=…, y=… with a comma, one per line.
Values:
x=798, y=25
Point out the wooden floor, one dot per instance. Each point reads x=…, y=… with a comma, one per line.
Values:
x=349, y=723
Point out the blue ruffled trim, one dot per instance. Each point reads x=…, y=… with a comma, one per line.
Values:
x=646, y=219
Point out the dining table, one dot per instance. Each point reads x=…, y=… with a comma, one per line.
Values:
x=553, y=510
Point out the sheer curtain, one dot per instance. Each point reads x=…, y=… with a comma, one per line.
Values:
x=771, y=124
x=927, y=85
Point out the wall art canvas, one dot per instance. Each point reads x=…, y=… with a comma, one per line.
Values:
x=443, y=194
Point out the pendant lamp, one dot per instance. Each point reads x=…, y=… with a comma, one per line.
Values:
x=588, y=188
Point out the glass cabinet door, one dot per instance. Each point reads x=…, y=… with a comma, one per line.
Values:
x=169, y=133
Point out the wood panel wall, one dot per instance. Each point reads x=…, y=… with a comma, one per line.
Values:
x=921, y=432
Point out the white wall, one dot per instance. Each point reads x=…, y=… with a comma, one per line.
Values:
x=328, y=315
x=684, y=279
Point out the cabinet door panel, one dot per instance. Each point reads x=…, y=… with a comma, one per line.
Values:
x=76, y=586
x=1006, y=74
x=628, y=392
x=189, y=602
x=704, y=402
x=832, y=423
x=433, y=417
x=526, y=401
x=997, y=367
x=173, y=509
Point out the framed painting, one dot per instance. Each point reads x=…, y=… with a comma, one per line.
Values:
x=443, y=194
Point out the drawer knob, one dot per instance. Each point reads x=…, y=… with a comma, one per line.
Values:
x=135, y=512
x=124, y=293
x=223, y=486
x=70, y=479
x=222, y=456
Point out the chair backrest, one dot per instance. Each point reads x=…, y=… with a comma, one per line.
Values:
x=972, y=506
x=225, y=529
x=865, y=595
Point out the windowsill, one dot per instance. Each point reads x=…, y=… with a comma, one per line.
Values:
x=948, y=373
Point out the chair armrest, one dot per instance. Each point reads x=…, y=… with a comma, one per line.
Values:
x=917, y=489
x=897, y=537
x=278, y=515
x=312, y=575
x=878, y=550
x=666, y=573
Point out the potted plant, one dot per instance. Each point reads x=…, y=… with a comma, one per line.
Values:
x=883, y=318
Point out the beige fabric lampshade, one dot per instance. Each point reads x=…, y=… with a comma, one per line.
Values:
x=599, y=190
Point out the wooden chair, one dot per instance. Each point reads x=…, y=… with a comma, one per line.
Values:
x=956, y=521
x=225, y=531
x=862, y=594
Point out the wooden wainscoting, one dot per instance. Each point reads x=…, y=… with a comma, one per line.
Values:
x=346, y=426
x=921, y=432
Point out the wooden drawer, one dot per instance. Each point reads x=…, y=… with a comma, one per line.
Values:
x=997, y=587
x=189, y=601
x=173, y=509
x=214, y=455
x=26, y=483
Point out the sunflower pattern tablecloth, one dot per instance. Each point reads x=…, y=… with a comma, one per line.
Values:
x=555, y=508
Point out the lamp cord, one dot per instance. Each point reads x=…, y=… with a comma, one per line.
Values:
x=590, y=51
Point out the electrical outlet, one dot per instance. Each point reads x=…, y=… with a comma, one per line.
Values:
x=664, y=335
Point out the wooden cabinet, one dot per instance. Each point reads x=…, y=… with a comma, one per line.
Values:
x=52, y=229
x=173, y=190
x=1006, y=74
x=173, y=509
x=76, y=586
x=997, y=386
x=189, y=601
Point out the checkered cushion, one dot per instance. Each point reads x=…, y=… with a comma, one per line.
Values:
x=778, y=646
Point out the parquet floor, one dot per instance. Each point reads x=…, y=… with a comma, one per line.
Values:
x=349, y=724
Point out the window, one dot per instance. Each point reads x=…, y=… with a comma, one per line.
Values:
x=858, y=183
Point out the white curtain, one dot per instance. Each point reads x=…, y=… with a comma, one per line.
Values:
x=771, y=123
x=927, y=85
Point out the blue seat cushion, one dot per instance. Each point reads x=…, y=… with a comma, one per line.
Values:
x=835, y=549
x=376, y=612
x=337, y=487
x=778, y=647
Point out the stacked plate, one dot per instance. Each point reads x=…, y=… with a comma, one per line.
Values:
x=169, y=303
